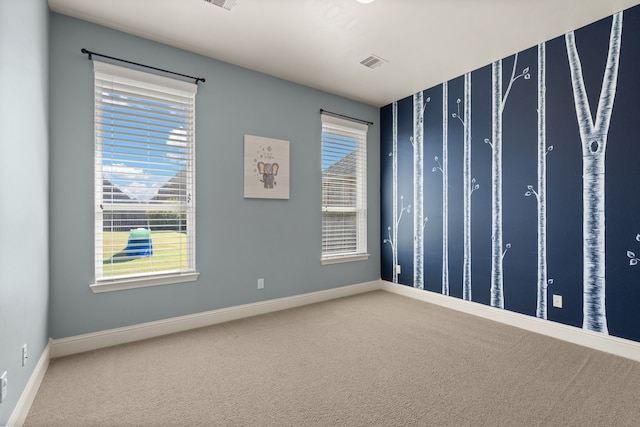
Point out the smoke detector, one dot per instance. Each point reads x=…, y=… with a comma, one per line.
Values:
x=225, y=4
x=373, y=61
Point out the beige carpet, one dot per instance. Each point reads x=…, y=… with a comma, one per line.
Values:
x=375, y=359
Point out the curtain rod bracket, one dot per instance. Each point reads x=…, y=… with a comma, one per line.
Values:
x=91, y=54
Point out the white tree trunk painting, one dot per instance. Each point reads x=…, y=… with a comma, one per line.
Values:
x=498, y=103
x=445, y=188
x=497, y=297
x=418, y=227
x=541, y=192
x=397, y=216
x=541, y=310
x=394, y=155
x=468, y=185
x=593, y=135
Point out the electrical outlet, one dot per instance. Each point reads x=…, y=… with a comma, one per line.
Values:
x=3, y=386
x=261, y=283
x=398, y=269
x=557, y=301
x=25, y=355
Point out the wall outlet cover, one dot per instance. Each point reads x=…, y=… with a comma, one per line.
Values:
x=3, y=386
x=557, y=301
x=25, y=355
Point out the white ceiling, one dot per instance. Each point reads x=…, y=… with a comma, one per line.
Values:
x=320, y=43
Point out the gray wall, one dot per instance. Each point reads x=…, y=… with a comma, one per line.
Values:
x=238, y=240
x=24, y=256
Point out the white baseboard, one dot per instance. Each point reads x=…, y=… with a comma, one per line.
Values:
x=597, y=341
x=93, y=341
x=20, y=412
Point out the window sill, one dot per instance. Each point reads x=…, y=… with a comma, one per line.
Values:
x=142, y=282
x=346, y=258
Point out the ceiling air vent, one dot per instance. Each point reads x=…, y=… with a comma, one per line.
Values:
x=373, y=61
x=226, y=4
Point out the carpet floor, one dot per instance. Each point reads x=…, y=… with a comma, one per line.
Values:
x=375, y=359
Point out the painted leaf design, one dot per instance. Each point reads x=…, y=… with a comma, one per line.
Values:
x=633, y=261
x=631, y=254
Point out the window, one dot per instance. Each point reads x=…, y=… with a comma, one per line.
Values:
x=344, y=190
x=144, y=179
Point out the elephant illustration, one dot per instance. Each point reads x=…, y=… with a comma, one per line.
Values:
x=268, y=172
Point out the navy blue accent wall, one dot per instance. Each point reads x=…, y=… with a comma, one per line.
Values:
x=564, y=175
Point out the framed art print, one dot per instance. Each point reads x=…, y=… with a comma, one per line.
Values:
x=266, y=168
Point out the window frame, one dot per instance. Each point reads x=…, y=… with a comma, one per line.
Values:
x=348, y=129
x=186, y=91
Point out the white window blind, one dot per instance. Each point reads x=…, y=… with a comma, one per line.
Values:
x=144, y=176
x=344, y=200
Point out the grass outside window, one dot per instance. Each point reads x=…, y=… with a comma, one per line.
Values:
x=169, y=254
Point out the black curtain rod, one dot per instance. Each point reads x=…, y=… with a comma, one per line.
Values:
x=345, y=117
x=91, y=54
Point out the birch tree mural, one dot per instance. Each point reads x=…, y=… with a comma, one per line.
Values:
x=581, y=75
x=418, y=191
x=593, y=135
x=469, y=186
x=541, y=192
x=397, y=216
x=498, y=102
x=443, y=168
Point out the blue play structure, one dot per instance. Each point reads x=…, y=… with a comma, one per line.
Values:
x=139, y=244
